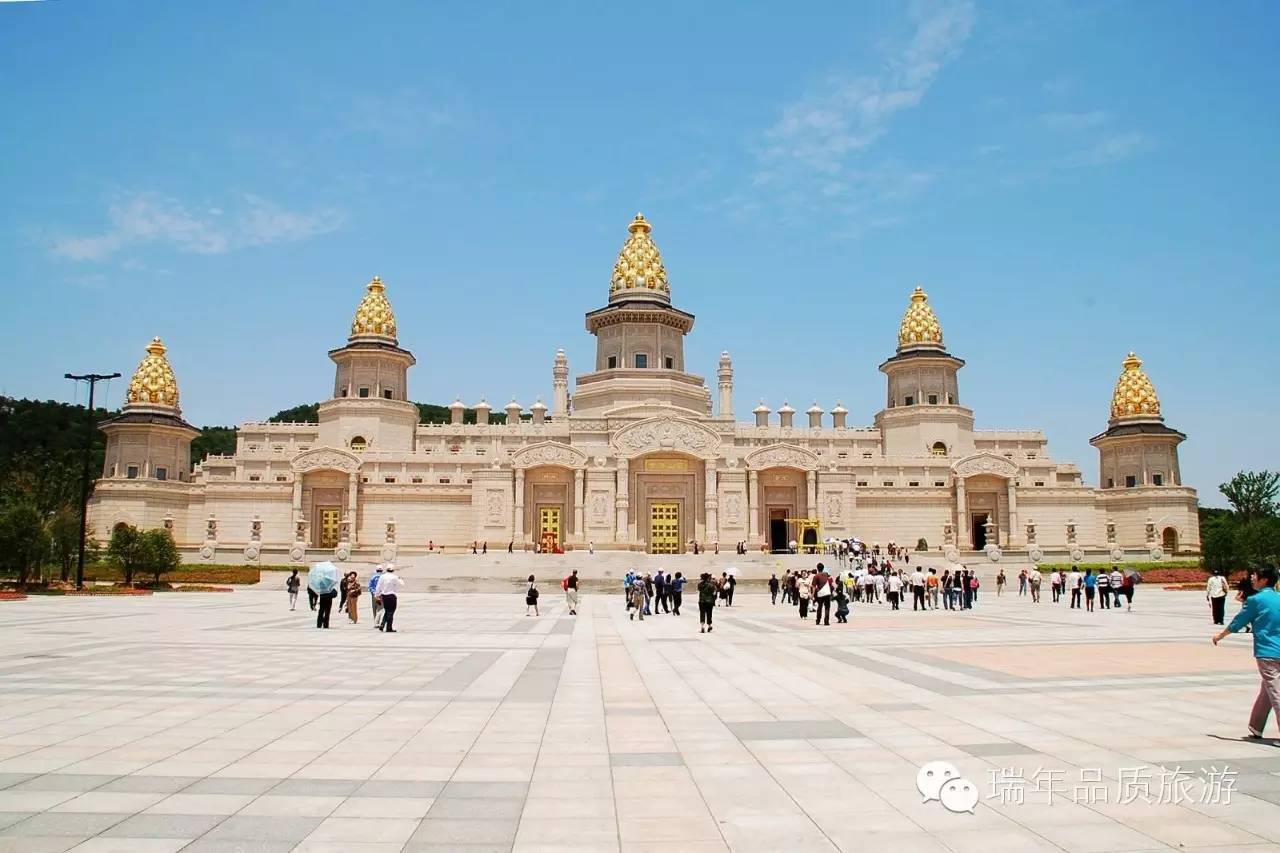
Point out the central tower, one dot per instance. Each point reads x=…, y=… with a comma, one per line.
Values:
x=639, y=366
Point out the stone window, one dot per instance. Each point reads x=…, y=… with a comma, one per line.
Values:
x=364, y=479
x=163, y=474
x=1130, y=481
x=281, y=478
x=866, y=455
x=358, y=443
x=388, y=393
x=933, y=399
x=843, y=454
x=1157, y=479
x=1031, y=454
x=1111, y=484
x=939, y=449
x=417, y=480
x=887, y=483
x=342, y=393
x=670, y=363
x=131, y=472
x=444, y=481
x=909, y=401
x=612, y=362
x=480, y=451
x=278, y=448
x=1039, y=482
x=940, y=483
x=642, y=359
x=388, y=479
x=950, y=400
x=862, y=484
x=364, y=392
x=255, y=478
x=913, y=483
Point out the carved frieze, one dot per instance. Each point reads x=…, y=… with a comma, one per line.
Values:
x=782, y=455
x=329, y=458
x=673, y=434
x=549, y=453
x=985, y=463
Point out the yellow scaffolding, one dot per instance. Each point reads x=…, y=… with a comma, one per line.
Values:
x=802, y=525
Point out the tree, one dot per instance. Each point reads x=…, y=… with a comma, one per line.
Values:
x=24, y=542
x=1252, y=494
x=213, y=440
x=125, y=550
x=64, y=539
x=159, y=553
x=307, y=413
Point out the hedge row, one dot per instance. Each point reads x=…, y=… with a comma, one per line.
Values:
x=1141, y=566
x=187, y=573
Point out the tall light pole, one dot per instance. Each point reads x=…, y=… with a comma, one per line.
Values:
x=93, y=379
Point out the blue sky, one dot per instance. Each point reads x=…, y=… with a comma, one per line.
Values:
x=1068, y=182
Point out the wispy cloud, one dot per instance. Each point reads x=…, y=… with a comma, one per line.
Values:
x=848, y=113
x=1111, y=148
x=1073, y=121
x=138, y=218
x=815, y=155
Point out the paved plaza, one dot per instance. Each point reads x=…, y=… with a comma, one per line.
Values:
x=224, y=723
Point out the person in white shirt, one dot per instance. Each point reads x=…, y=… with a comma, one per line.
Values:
x=388, y=590
x=877, y=585
x=895, y=589
x=917, y=590
x=1117, y=585
x=1055, y=584
x=1215, y=593
x=1073, y=586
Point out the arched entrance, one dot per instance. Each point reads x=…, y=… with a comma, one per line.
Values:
x=1169, y=540
x=548, y=506
x=668, y=494
x=783, y=495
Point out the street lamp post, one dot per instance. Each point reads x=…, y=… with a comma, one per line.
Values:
x=93, y=379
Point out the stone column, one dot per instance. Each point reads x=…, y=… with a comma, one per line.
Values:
x=353, y=488
x=1013, y=514
x=812, y=499
x=621, y=502
x=518, y=527
x=753, y=507
x=712, y=503
x=964, y=538
x=579, y=534
x=297, y=494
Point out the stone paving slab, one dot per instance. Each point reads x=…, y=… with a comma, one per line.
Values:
x=223, y=724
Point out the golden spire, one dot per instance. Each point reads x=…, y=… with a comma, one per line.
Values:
x=919, y=325
x=153, y=383
x=374, y=316
x=639, y=271
x=1135, y=396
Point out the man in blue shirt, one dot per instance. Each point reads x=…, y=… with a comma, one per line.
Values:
x=373, y=596
x=1261, y=612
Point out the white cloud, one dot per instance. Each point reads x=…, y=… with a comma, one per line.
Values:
x=817, y=158
x=818, y=132
x=151, y=218
x=1074, y=121
x=1111, y=148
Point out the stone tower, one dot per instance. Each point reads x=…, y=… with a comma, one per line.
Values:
x=1137, y=450
x=149, y=440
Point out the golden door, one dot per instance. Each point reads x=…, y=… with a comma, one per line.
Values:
x=549, y=527
x=330, y=519
x=664, y=528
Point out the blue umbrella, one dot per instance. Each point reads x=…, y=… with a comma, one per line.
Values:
x=323, y=577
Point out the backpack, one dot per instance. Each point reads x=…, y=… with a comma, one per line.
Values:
x=533, y=592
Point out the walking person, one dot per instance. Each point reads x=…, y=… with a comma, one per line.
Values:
x=660, y=592
x=1055, y=585
x=999, y=583
x=895, y=589
x=842, y=602
x=1261, y=613
x=931, y=588
x=1090, y=582
x=1127, y=586
x=389, y=590
x=822, y=593
x=531, y=598
x=706, y=602
x=968, y=586
x=773, y=589
x=293, y=584
x=733, y=584
x=326, y=607
x=1216, y=594
x=312, y=597
x=677, y=593
x=917, y=590
x=1117, y=586
x=353, y=596
x=1073, y=586
x=571, y=592
x=374, y=599
x=803, y=590
x=1022, y=582
x=1104, y=589
x=1034, y=581
x=636, y=597
x=346, y=585
x=785, y=585
x=946, y=588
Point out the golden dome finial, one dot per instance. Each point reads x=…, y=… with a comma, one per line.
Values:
x=1135, y=396
x=153, y=383
x=920, y=325
x=639, y=272
x=374, y=317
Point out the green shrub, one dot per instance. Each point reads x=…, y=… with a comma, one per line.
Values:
x=922, y=544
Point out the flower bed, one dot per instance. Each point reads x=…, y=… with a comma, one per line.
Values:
x=198, y=587
x=12, y=595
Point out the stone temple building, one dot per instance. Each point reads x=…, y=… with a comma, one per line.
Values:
x=643, y=455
